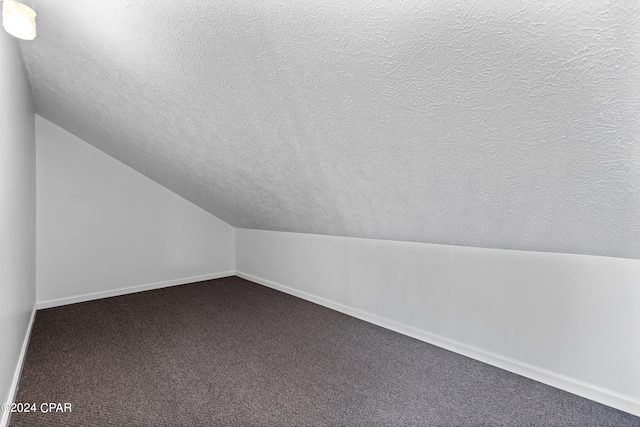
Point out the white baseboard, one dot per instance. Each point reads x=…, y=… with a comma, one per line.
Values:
x=130, y=290
x=4, y=416
x=598, y=394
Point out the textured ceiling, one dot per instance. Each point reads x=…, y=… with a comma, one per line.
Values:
x=508, y=124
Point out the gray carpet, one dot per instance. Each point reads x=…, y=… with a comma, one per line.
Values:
x=228, y=352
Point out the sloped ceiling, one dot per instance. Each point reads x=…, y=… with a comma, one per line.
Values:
x=505, y=123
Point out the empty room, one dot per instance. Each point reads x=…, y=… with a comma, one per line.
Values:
x=320, y=213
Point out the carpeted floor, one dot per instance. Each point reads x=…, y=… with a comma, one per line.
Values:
x=228, y=352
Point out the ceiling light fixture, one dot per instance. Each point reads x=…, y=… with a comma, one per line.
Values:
x=19, y=20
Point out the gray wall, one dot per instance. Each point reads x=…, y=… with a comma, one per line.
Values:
x=568, y=320
x=17, y=211
x=105, y=229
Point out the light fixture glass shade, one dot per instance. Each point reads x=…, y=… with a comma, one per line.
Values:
x=19, y=20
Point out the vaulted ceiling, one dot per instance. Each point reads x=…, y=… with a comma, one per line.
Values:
x=495, y=123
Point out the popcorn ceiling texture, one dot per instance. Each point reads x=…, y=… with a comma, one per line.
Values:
x=504, y=124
